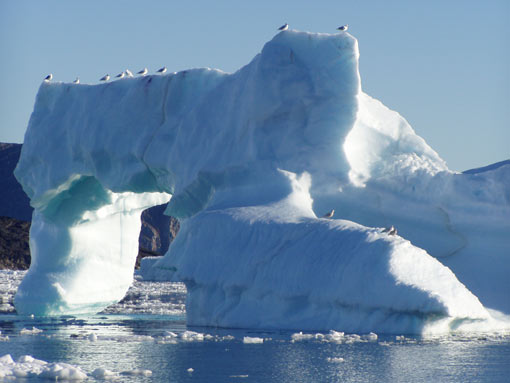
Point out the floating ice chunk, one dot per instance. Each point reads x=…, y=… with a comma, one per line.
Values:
x=335, y=359
x=192, y=336
x=190, y=370
x=27, y=366
x=371, y=337
x=252, y=340
x=92, y=337
x=62, y=371
x=137, y=372
x=32, y=331
x=298, y=337
x=103, y=373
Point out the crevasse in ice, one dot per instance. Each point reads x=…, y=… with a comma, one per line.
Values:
x=251, y=161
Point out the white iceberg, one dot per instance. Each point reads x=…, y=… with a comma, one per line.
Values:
x=250, y=160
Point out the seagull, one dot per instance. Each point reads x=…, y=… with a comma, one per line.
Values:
x=77, y=81
x=343, y=27
x=390, y=230
x=143, y=72
x=329, y=214
x=162, y=70
x=284, y=27
x=48, y=77
x=105, y=78
x=121, y=75
x=128, y=73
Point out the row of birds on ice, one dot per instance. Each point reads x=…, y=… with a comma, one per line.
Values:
x=144, y=71
x=126, y=73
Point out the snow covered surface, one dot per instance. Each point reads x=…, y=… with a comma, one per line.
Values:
x=251, y=159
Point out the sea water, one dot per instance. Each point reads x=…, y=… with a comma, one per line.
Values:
x=144, y=338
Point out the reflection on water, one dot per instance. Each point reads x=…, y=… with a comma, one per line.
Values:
x=147, y=331
x=124, y=343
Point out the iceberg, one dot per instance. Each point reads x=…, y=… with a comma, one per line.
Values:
x=249, y=161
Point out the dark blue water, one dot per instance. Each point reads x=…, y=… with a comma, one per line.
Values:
x=127, y=342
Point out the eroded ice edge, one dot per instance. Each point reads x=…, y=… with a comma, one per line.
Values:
x=250, y=161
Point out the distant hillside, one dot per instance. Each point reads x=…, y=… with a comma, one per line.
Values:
x=158, y=230
x=13, y=200
x=487, y=168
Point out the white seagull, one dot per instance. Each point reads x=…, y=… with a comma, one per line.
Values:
x=77, y=81
x=128, y=73
x=329, y=214
x=284, y=27
x=121, y=75
x=143, y=72
x=343, y=27
x=48, y=77
x=105, y=78
x=162, y=70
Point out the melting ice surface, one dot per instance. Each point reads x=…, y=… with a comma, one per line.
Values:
x=251, y=161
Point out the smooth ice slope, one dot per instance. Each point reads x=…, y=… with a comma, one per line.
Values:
x=251, y=158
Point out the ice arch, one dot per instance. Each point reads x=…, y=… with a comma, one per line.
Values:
x=248, y=158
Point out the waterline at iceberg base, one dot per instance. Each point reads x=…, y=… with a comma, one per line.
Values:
x=250, y=161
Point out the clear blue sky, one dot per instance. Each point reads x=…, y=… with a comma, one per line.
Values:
x=442, y=64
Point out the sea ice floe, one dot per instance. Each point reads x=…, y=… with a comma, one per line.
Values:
x=27, y=367
x=137, y=372
x=32, y=331
x=92, y=337
x=103, y=373
x=253, y=340
x=334, y=337
x=335, y=359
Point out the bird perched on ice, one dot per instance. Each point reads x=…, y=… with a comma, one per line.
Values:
x=284, y=27
x=121, y=75
x=143, y=72
x=343, y=27
x=77, y=81
x=329, y=214
x=390, y=230
x=162, y=70
x=128, y=73
x=48, y=77
x=106, y=77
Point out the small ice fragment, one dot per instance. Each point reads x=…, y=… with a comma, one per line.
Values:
x=33, y=331
x=371, y=337
x=297, y=337
x=103, y=373
x=190, y=370
x=92, y=337
x=335, y=360
x=252, y=340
